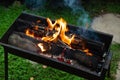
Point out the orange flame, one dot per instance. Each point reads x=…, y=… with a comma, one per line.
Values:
x=36, y=27
x=60, y=26
x=87, y=52
x=29, y=33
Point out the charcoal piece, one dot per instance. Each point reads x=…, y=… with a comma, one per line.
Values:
x=32, y=25
x=22, y=27
x=68, y=54
x=82, y=58
x=62, y=44
x=78, y=43
x=55, y=49
x=92, y=45
x=37, y=33
x=23, y=43
x=81, y=42
x=38, y=30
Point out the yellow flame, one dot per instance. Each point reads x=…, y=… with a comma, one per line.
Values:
x=41, y=46
x=60, y=31
x=63, y=37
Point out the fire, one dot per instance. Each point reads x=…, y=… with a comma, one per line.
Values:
x=51, y=27
x=29, y=33
x=58, y=30
x=60, y=26
x=87, y=52
x=36, y=27
x=41, y=46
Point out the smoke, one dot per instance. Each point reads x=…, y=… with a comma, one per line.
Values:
x=75, y=5
x=83, y=21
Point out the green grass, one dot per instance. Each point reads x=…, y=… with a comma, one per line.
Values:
x=22, y=69
x=99, y=8
x=7, y=16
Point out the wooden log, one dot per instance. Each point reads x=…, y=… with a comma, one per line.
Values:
x=82, y=58
x=18, y=41
x=31, y=25
x=94, y=47
x=56, y=49
x=78, y=43
x=96, y=44
x=23, y=35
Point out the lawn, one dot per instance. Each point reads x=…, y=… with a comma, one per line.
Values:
x=22, y=69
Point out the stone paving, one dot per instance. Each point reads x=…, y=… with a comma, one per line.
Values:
x=109, y=23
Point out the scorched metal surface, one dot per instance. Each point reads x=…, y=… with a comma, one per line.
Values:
x=81, y=71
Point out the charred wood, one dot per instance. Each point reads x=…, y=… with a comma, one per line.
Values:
x=23, y=35
x=78, y=43
x=82, y=58
x=37, y=33
x=56, y=49
x=92, y=45
x=33, y=24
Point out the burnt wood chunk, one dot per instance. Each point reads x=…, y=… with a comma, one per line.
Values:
x=82, y=58
x=81, y=42
x=78, y=43
x=23, y=35
x=23, y=25
x=56, y=49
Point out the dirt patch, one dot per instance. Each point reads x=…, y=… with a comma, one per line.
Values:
x=108, y=23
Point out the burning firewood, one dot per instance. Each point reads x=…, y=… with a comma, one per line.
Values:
x=56, y=40
x=82, y=58
x=78, y=43
x=32, y=28
x=36, y=33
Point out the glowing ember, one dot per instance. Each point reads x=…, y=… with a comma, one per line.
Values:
x=38, y=21
x=29, y=33
x=87, y=52
x=41, y=46
x=36, y=27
